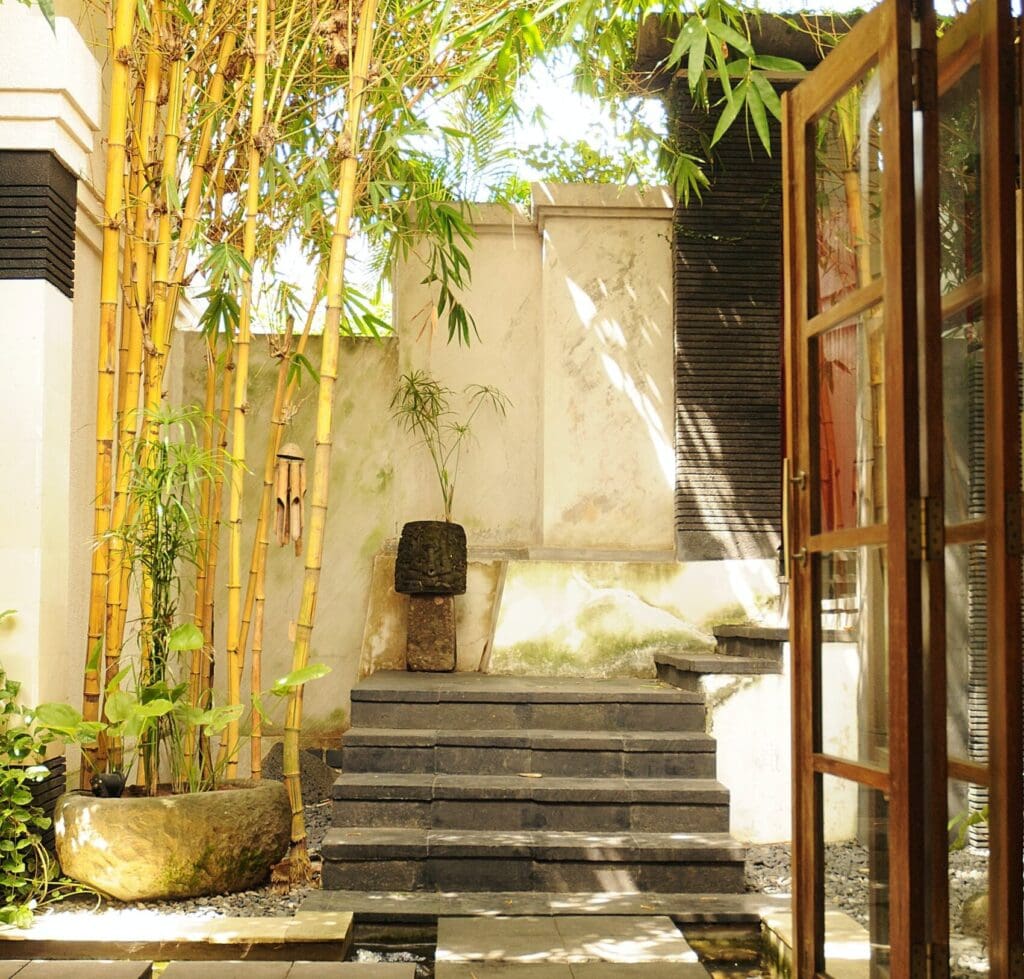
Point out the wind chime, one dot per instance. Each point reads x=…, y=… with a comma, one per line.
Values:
x=289, y=489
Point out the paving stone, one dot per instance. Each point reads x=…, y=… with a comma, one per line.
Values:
x=352, y=970
x=227, y=970
x=81, y=969
x=502, y=970
x=9, y=968
x=622, y=939
x=632, y=970
x=529, y=939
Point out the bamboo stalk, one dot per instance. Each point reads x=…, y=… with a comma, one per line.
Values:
x=257, y=146
x=121, y=37
x=197, y=179
x=283, y=393
x=299, y=866
x=255, y=597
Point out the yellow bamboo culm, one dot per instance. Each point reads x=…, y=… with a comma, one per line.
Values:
x=298, y=857
x=120, y=81
x=129, y=392
x=255, y=595
x=258, y=145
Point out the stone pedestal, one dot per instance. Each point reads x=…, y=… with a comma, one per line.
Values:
x=430, y=643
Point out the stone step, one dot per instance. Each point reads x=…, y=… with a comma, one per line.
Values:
x=468, y=701
x=471, y=946
x=246, y=969
x=512, y=802
x=684, y=670
x=629, y=754
x=751, y=641
x=485, y=860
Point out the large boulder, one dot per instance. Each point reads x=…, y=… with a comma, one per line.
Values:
x=174, y=846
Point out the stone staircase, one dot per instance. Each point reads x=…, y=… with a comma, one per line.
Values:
x=740, y=650
x=472, y=782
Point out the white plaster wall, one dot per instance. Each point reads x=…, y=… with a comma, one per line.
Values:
x=50, y=99
x=750, y=718
x=609, y=426
x=501, y=478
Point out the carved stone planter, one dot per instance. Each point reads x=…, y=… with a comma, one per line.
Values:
x=431, y=559
x=431, y=568
x=174, y=846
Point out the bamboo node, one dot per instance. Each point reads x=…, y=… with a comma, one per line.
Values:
x=123, y=56
x=265, y=139
x=342, y=148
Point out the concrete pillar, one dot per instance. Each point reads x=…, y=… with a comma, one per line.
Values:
x=608, y=373
x=50, y=97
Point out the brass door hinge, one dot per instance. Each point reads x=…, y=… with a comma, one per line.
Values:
x=925, y=529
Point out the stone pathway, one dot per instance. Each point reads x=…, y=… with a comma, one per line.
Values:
x=318, y=936
x=563, y=947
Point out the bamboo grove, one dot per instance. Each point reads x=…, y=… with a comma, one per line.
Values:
x=240, y=131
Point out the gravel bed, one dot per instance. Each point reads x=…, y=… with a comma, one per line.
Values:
x=846, y=888
x=260, y=903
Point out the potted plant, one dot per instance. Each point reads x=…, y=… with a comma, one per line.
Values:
x=183, y=830
x=431, y=558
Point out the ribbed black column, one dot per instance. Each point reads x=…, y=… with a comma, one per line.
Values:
x=728, y=295
x=38, y=197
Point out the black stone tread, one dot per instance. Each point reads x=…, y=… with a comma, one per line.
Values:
x=551, y=739
x=416, y=785
x=408, y=687
x=717, y=663
x=375, y=844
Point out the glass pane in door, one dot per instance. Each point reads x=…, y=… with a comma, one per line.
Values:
x=963, y=406
x=848, y=402
x=856, y=829
x=854, y=655
x=968, y=887
x=848, y=194
x=960, y=182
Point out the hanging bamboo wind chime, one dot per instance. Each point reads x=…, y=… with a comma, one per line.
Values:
x=289, y=489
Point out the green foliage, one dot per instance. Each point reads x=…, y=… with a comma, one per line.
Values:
x=422, y=405
x=960, y=826
x=26, y=870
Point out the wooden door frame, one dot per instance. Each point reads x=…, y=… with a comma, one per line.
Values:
x=914, y=535
x=882, y=40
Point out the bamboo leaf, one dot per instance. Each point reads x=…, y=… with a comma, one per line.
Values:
x=297, y=678
x=730, y=36
x=757, y=112
x=730, y=112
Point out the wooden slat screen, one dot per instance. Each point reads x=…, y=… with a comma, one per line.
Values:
x=728, y=295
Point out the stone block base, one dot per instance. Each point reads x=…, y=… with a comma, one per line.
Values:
x=430, y=642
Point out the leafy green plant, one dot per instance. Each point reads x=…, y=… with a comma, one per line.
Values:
x=422, y=405
x=960, y=826
x=135, y=715
x=26, y=869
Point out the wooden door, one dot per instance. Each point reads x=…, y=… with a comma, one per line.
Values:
x=854, y=476
x=904, y=481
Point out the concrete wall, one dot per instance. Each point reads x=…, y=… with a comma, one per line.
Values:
x=50, y=99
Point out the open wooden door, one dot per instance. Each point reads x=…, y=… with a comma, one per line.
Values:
x=903, y=483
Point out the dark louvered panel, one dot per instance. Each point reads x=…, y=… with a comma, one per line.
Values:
x=728, y=291
x=38, y=198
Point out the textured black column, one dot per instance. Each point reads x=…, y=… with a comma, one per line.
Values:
x=38, y=197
